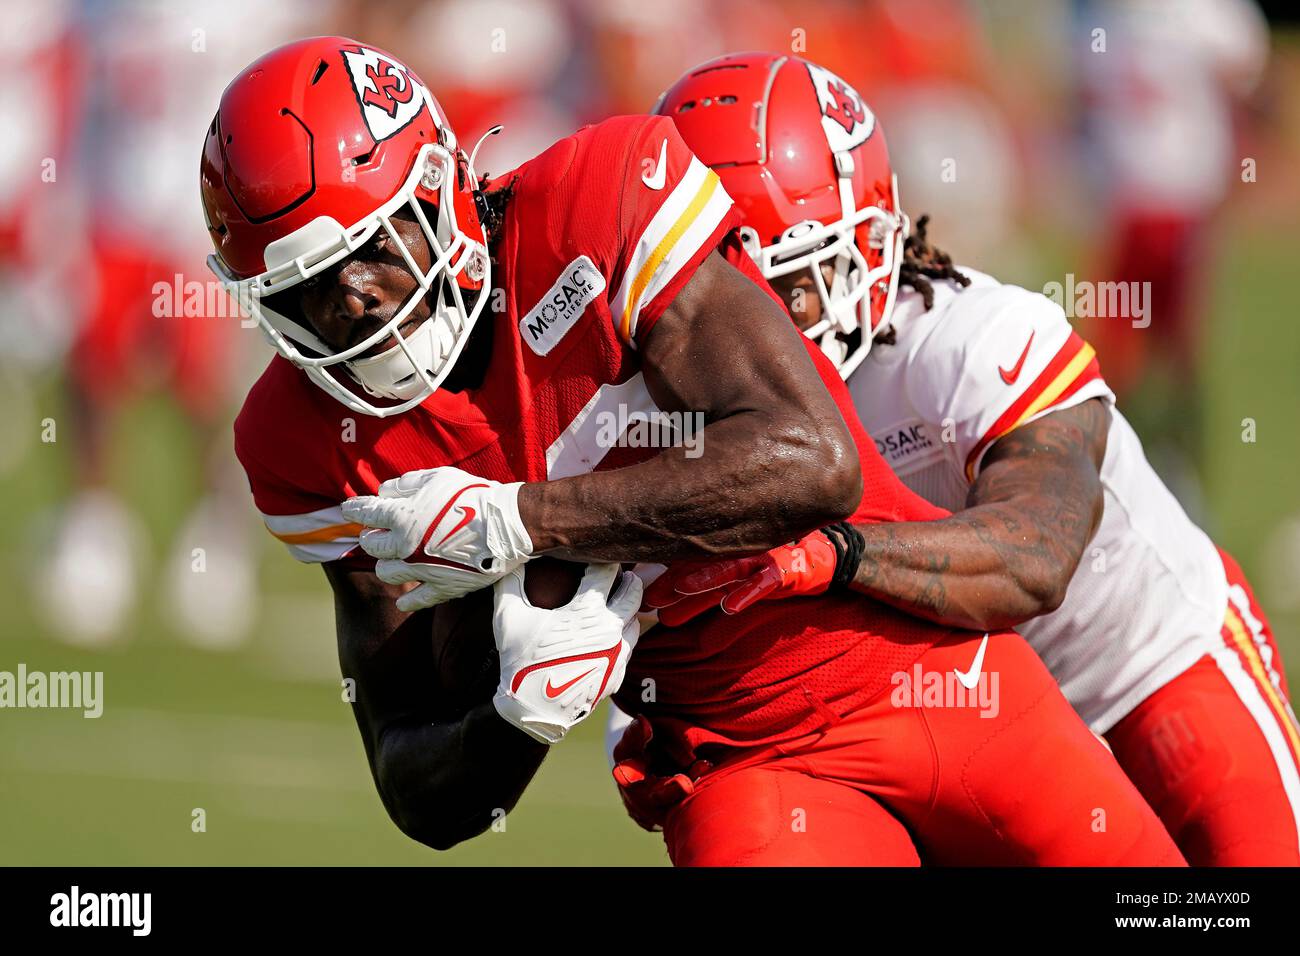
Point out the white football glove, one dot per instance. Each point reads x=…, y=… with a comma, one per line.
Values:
x=557, y=665
x=452, y=531
x=439, y=583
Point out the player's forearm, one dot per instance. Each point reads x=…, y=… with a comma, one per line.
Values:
x=990, y=566
x=443, y=783
x=757, y=484
x=1010, y=555
x=775, y=460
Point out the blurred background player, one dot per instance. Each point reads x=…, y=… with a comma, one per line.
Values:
x=40, y=79
x=1163, y=87
x=135, y=99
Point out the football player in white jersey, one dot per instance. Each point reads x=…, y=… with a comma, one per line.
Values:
x=983, y=400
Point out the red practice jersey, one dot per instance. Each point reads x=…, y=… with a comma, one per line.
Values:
x=602, y=231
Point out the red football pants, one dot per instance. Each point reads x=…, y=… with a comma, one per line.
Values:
x=1216, y=751
x=1009, y=777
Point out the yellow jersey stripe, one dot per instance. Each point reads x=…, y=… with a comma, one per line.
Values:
x=1246, y=647
x=661, y=251
x=1045, y=398
x=1060, y=383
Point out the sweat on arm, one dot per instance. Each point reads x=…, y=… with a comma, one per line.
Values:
x=778, y=459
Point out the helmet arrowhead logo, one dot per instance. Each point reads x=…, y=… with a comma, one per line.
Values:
x=395, y=88
x=847, y=110
x=388, y=93
x=845, y=117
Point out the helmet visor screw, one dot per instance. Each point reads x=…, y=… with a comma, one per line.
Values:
x=476, y=269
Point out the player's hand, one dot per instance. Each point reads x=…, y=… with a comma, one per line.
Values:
x=688, y=589
x=438, y=583
x=648, y=796
x=557, y=665
x=452, y=531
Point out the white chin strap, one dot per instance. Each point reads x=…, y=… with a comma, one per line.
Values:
x=395, y=373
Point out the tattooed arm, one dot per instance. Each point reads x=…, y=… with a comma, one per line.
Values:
x=1011, y=554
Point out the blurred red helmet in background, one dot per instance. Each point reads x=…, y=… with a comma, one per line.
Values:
x=314, y=148
x=806, y=163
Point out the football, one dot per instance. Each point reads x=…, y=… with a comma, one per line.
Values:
x=464, y=651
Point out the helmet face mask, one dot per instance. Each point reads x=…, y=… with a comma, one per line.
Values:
x=847, y=302
x=312, y=236
x=809, y=170
x=414, y=366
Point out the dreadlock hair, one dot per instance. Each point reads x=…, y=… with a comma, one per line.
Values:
x=492, y=209
x=923, y=262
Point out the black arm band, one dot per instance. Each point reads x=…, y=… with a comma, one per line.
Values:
x=848, y=546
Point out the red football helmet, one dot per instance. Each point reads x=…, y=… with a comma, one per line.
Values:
x=315, y=146
x=806, y=163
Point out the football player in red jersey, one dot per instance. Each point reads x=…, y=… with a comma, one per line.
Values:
x=451, y=352
x=983, y=400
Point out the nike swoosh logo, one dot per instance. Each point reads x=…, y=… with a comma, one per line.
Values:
x=661, y=171
x=428, y=532
x=609, y=655
x=552, y=691
x=468, y=514
x=1010, y=376
x=971, y=677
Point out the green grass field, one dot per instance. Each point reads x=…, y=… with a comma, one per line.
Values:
x=261, y=740
x=275, y=763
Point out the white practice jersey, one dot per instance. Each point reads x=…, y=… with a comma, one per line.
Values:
x=1150, y=594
